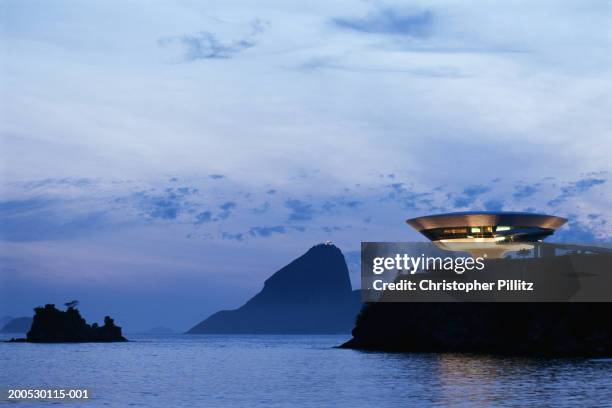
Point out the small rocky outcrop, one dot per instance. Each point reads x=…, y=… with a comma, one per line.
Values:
x=51, y=325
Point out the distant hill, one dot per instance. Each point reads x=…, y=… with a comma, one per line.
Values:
x=18, y=325
x=312, y=294
x=4, y=320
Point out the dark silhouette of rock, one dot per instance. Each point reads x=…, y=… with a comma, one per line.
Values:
x=519, y=328
x=310, y=295
x=51, y=325
x=18, y=325
x=561, y=329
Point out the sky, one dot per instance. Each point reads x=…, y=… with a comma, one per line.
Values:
x=159, y=160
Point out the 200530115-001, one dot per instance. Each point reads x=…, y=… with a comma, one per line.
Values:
x=47, y=393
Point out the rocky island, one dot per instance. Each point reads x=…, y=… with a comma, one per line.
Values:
x=51, y=325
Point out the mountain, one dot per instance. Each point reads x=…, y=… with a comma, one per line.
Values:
x=18, y=325
x=312, y=294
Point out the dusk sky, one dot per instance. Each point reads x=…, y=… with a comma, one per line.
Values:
x=160, y=160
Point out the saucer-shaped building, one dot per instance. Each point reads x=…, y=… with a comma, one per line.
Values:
x=486, y=233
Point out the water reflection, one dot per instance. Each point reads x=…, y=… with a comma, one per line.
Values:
x=481, y=380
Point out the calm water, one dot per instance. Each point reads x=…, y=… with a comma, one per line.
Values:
x=302, y=371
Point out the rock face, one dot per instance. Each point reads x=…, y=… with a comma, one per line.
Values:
x=310, y=295
x=18, y=325
x=557, y=329
x=51, y=325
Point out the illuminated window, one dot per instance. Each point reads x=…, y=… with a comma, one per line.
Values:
x=475, y=229
x=502, y=228
x=455, y=231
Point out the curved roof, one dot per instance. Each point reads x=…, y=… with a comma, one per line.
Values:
x=486, y=218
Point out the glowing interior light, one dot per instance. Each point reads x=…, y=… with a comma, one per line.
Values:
x=502, y=228
x=475, y=229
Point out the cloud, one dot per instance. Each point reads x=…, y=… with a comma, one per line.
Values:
x=314, y=64
x=66, y=210
x=390, y=20
x=167, y=205
x=262, y=209
x=203, y=217
x=41, y=219
x=493, y=205
x=16, y=207
x=335, y=228
x=575, y=232
x=267, y=231
x=576, y=188
x=469, y=195
x=186, y=190
x=226, y=210
x=216, y=176
x=339, y=203
x=475, y=191
x=227, y=206
x=206, y=45
x=167, y=209
x=300, y=211
x=49, y=183
x=232, y=237
x=409, y=198
x=525, y=190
